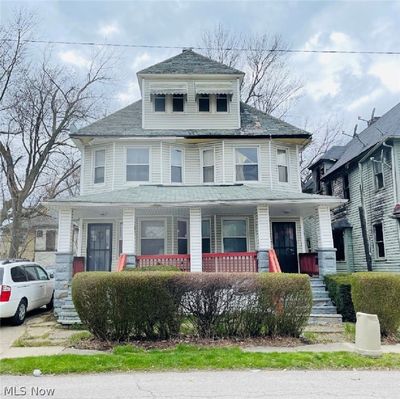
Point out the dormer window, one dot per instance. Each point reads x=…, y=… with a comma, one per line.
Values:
x=177, y=103
x=222, y=103
x=204, y=103
x=159, y=103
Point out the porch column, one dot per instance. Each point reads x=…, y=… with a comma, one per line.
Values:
x=264, y=237
x=64, y=258
x=129, y=236
x=326, y=250
x=196, y=258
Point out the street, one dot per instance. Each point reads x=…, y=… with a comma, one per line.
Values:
x=207, y=384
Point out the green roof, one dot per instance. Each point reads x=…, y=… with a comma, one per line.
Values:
x=151, y=195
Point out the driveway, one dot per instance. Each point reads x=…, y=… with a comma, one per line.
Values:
x=221, y=384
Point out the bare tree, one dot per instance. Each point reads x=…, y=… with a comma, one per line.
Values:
x=37, y=158
x=269, y=84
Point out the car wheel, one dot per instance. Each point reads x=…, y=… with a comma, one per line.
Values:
x=20, y=314
x=50, y=305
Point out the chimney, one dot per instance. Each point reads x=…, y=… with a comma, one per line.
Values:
x=187, y=49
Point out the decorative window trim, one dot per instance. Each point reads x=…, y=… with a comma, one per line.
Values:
x=257, y=146
x=246, y=219
x=211, y=148
x=182, y=149
x=135, y=182
x=286, y=149
x=94, y=166
x=152, y=219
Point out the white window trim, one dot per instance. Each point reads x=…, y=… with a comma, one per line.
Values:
x=257, y=146
x=152, y=219
x=94, y=166
x=136, y=182
x=211, y=148
x=376, y=252
x=246, y=219
x=287, y=149
x=182, y=149
x=228, y=107
x=177, y=238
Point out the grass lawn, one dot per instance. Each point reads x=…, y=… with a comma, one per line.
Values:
x=186, y=357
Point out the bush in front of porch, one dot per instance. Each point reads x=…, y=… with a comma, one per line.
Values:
x=155, y=305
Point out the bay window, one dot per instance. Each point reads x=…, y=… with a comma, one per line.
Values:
x=282, y=160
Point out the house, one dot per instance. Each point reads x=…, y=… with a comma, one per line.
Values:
x=191, y=176
x=366, y=172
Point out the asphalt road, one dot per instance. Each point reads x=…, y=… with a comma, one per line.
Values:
x=209, y=384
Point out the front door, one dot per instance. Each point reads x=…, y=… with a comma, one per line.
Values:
x=284, y=239
x=99, y=248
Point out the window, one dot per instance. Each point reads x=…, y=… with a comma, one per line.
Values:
x=120, y=241
x=204, y=103
x=208, y=166
x=222, y=103
x=246, y=164
x=31, y=273
x=41, y=273
x=235, y=235
x=206, y=236
x=329, y=189
x=338, y=243
x=152, y=237
x=346, y=187
x=39, y=233
x=50, y=240
x=18, y=274
x=177, y=103
x=99, y=162
x=378, y=173
x=182, y=237
x=176, y=165
x=282, y=166
x=379, y=241
x=137, y=164
x=159, y=103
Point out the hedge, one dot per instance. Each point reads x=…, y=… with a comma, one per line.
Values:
x=339, y=289
x=155, y=305
x=378, y=293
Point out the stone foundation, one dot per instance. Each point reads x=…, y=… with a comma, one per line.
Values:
x=63, y=277
x=327, y=261
x=263, y=261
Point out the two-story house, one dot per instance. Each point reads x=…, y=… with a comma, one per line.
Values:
x=366, y=172
x=191, y=176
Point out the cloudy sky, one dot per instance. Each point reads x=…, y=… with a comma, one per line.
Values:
x=338, y=86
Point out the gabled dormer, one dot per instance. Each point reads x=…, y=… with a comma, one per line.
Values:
x=190, y=91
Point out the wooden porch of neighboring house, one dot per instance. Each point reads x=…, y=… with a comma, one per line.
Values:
x=220, y=238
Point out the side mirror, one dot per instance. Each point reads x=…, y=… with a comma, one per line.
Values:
x=51, y=275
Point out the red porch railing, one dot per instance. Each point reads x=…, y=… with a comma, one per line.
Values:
x=181, y=261
x=230, y=262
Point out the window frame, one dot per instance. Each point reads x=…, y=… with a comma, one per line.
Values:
x=208, y=220
x=376, y=243
x=342, y=238
x=202, y=150
x=346, y=188
x=182, y=150
x=230, y=218
x=173, y=96
x=94, y=167
x=227, y=104
x=53, y=231
x=182, y=238
x=135, y=182
x=203, y=96
x=374, y=170
x=155, y=219
x=154, y=103
x=257, y=147
x=286, y=149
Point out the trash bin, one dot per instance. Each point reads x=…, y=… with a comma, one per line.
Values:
x=368, y=335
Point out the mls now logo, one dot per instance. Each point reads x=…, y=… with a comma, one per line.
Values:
x=32, y=391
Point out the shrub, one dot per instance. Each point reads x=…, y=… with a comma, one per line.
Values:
x=339, y=289
x=379, y=293
x=157, y=268
x=153, y=305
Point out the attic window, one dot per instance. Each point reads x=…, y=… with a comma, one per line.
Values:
x=159, y=103
x=177, y=103
x=222, y=103
x=204, y=103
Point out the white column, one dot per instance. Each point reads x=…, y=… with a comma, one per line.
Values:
x=128, y=231
x=263, y=228
x=196, y=259
x=325, y=238
x=64, y=244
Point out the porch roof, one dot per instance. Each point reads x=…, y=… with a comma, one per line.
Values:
x=161, y=195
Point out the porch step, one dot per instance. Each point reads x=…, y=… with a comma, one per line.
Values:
x=68, y=315
x=324, y=309
x=322, y=301
x=322, y=319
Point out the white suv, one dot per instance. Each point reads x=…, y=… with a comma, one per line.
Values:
x=24, y=286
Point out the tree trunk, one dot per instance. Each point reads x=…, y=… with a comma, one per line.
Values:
x=16, y=229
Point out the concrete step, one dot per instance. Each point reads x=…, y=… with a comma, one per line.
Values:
x=322, y=302
x=68, y=313
x=320, y=295
x=325, y=329
x=322, y=319
x=69, y=321
x=68, y=306
x=324, y=309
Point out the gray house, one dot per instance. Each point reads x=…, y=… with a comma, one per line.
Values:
x=366, y=172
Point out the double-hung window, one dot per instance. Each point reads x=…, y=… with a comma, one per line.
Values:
x=152, y=240
x=99, y=166
x=234, y=235
x=138, y=164
x=208, y=166
x=222, y=103
x=176, y=165
x=159, y=103
x=246, y=160
x=178, y=103
x=182, y=237
x=346, y=187
x=379, y=241
x=204, y=103
x=282, y=158
x=378, y=172
x=206, y=236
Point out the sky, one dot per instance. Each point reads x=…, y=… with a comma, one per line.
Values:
x=340, y=87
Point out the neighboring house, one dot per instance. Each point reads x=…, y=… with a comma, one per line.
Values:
x=366, y=171
x=40, y=239
x=189, y=175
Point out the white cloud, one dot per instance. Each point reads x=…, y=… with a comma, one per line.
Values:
x=141, y=61
x=388, y=72
x=328, y=86
x=74, y=58
x=130, y=94
x=366, y=99
x=109, y=29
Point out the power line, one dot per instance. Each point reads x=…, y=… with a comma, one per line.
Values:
x=278, y=50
